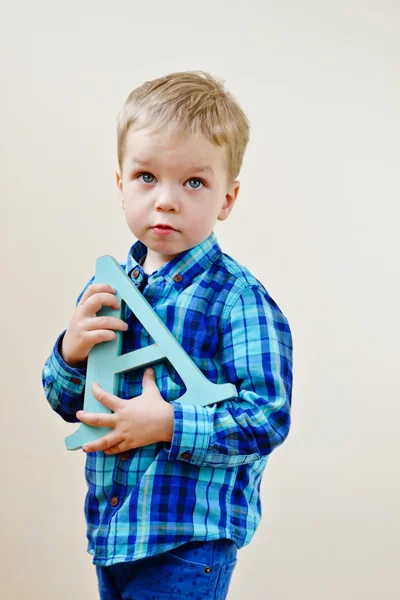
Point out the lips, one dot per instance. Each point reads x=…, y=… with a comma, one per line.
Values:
x=162, y=226
x=163, y=230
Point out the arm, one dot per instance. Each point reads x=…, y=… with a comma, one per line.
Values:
x=64, y=385
x=256, y=356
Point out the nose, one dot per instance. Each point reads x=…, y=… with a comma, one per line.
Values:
x=167, y=199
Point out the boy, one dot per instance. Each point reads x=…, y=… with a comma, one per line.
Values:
x=173, y=490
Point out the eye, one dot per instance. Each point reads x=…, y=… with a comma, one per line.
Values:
x=196, y=183
x=147, y=177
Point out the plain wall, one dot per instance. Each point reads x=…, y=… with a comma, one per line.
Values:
x=317, y=221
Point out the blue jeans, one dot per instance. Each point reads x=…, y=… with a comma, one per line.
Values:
x=196, y=570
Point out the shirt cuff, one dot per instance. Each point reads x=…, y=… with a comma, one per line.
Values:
x=192, y=433
x=72, y=379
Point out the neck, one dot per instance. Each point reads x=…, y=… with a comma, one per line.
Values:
x=153, y=261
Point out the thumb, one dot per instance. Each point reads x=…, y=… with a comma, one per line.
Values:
x=149, y=375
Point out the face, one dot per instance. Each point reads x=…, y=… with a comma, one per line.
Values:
x=173, y=190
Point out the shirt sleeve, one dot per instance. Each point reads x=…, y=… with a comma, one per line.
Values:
x=256, y=356
x=64, y=386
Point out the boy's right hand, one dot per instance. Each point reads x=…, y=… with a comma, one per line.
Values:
x=86, y=329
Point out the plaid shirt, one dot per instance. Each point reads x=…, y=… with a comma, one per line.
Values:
x=205, y=483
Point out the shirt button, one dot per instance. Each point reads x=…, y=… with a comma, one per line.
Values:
x=114, y=501
x=75, y=380
x=207, y=570
x=125, y=456
x=185, y=455
x=136, y=273
x=178, y=278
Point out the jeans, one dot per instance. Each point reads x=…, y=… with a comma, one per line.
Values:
x=196, y=570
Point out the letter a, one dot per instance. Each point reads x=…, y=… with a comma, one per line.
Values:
x=106, y=363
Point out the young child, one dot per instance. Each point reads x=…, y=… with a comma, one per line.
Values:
x=173, y=489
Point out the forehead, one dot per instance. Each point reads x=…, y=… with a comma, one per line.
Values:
x=164, y=148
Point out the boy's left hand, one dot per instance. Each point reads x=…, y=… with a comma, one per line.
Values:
x=137, y=422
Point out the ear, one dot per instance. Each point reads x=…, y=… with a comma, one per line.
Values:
x=230, y=199
x=118, y=179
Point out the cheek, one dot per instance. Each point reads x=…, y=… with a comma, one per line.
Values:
x=134, y=205
x=135, y=214
x=202, y=219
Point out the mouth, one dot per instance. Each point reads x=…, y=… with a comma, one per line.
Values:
x=163, y=228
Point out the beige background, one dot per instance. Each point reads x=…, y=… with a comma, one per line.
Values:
x=317, y=222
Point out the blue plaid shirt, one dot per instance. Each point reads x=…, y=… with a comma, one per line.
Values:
x=205, y=483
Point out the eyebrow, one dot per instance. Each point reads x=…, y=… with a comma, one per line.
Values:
x=147, y=163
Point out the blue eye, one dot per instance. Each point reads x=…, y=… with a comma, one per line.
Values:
x=194, y=182
x=147, y=175
x=197, y=181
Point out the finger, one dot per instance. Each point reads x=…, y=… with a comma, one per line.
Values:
x=96, y=419
x=149, y=380
x=112, y=402
x=95, y=302
x=114, y=323
x=99, y=335
x=117, y=449
x=94, y=288
x=103, y=443
x=149, y=377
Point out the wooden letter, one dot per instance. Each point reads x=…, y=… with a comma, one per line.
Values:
x=105, y=361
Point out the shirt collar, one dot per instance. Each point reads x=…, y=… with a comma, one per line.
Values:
x=181, y=270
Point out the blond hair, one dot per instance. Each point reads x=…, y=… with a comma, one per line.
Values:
x=187, y=102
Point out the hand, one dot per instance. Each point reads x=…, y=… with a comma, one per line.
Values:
x=137, y=422
x=86, y=329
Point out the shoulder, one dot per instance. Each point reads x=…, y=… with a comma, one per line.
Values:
x=249, y=297
x=239, y=280
x=238, y=272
